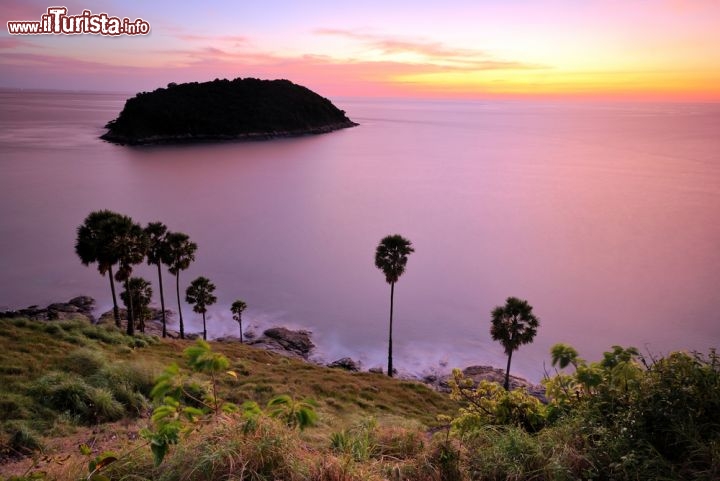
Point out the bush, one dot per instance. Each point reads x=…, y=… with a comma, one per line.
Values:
x=67, y=393
x=102, y=406
x=129, y=382
x=84, y=362
x=226, y=450
x=660, y=421
x=500, y=453
x=358, y=442
x=21, y=439
x=399, y=443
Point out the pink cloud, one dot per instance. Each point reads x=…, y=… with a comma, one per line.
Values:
x=433, y=52
x=15, y=42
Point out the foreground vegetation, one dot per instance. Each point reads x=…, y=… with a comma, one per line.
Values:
x=70, y=379
x=68, y=384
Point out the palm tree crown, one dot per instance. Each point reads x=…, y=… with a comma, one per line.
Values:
x=94, y=241
x=391, y=256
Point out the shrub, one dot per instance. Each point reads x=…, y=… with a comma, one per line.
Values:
x=500, y=453
x=398, y=442
x=67, y=393
x=358, y=442
x=102, y=406
x=84, y=361
x=21, y=439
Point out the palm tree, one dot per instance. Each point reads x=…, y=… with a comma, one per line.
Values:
x=563, y=355
x=139, y=296
x=180, y=253
x=237, y=309
x=130, y=246
x=156, y=233
x=200, y=294
x=513, y=324
x=93, y=245
x=391, y=258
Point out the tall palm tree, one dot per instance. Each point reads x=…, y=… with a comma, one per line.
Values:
x=93, y=245
x=180, y=253
x=391, y=257
x=156, y=233
x=200, y=295
x=130, y=246
x=237, y=309
x=138, y=296
x=513, y=325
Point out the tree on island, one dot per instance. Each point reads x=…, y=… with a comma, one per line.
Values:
x=94, y=245
x=130, y=246
x=200, y=295
x=138, y=294
x=156, y=233
x=513, y=325
x=391, y=257
x=237, y=309
x=180, y=253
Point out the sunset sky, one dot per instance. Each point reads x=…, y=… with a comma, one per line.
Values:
x=639, y=49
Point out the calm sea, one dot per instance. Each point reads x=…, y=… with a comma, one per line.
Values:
x=605, y=217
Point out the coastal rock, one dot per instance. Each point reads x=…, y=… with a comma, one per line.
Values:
x=285, y=341
x=153, y=325
x=376, y=370
x=346, y=363
x=76, y=308
x=227, y=339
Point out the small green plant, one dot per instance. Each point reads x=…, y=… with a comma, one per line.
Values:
x=98, y=464
x=358, y=442
x=295, y=413
x=172, y=417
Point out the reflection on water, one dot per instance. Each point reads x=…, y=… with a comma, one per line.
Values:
x=603, y=216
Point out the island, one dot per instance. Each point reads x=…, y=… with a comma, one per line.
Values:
x=239, y=109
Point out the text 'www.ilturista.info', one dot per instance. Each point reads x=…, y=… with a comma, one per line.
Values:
x=57, y=22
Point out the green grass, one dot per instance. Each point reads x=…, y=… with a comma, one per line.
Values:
x=72, y=373
x=67, y=381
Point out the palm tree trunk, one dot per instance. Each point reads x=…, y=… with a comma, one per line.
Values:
x=177, y=288
x=507, y=372
x=204, y=328
x=130, y=313
x=116, y=311
x=162, y=301
x=240, y=323
x=390, y=366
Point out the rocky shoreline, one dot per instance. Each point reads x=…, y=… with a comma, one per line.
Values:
x=280, y=340
x=205, y=138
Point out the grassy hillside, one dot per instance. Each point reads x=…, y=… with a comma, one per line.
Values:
x=69, y=379
x=69, y=384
